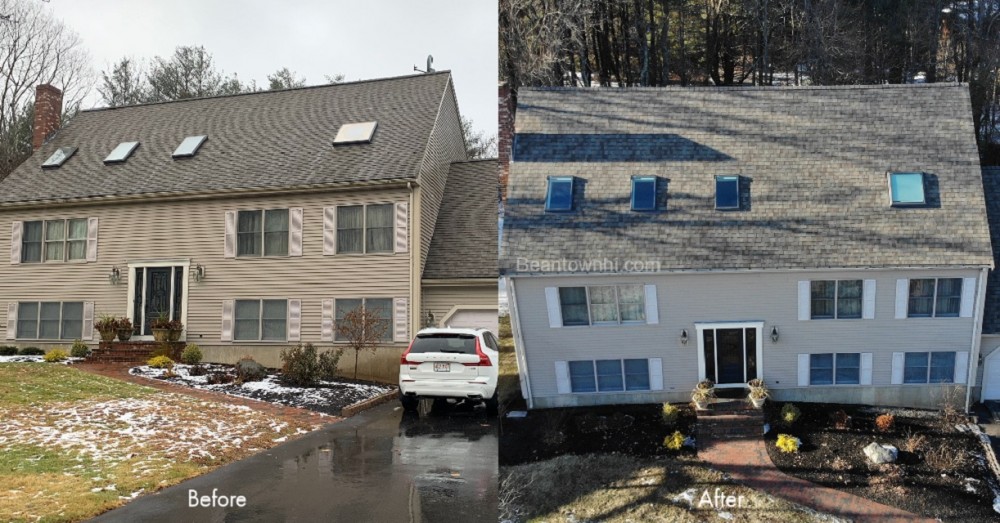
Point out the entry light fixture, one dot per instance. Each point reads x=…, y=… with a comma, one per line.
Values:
x=198, y=272
x=684, y=337
x=115, y=276
x=774, y=334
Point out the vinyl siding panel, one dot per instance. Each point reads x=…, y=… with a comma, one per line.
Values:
x=195, y=231
x=446, y=145
x=439, y=300
x=684, y=299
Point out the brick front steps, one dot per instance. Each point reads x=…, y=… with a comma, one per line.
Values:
x=137, y=352
x=730, y=419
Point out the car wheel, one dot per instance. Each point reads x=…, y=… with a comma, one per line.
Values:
x=493, y=404
x=409, y=403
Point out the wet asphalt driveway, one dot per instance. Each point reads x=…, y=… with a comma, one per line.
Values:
x=382, y=465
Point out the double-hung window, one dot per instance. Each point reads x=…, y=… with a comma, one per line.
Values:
x=935, y=298
x=602, y=305
x=261, y=320
x=835, y=369
x=836, y=299
x=262, y=233
x=365, y=228
x=609, y=375
x=54, y=241
x=49, y=320
x=929, y=367
x=379, y=308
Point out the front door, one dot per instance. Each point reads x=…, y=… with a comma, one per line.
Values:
x=158, y=292
x=729, y=353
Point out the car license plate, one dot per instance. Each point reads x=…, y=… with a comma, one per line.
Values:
x=442, y=367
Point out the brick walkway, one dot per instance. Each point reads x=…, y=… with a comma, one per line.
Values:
x=119, y=371
x=747, y=462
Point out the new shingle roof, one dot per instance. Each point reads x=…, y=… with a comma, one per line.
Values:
x=262, y=140
x=991, y=309
x=465, y=238
x=813, y=163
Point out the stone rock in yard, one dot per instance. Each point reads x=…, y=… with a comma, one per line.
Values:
x=879, y=454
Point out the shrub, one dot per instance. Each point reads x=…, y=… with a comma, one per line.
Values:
x=80, y=349
x=56, y=355
x=191, y=354
x=220, y=378
x=840, y=420
x=914, y=442
x=885, y=422
x=788, y=443
x=160, y=362
x=943, y=458
x=300, y=365
x=950, y=407
x=674, y=441
x=197, y=370
x=163, y=349
x=669, y=414
x=789, y=414
x=247, y=369
x=328, y=364
x=840, y=464
x=8, y=351
x=31, y=351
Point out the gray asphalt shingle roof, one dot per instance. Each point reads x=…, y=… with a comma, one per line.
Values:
x=465, y=238
x=261, y=140
x=812, y=162
x=991, y=309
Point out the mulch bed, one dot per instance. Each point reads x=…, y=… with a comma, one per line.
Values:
x=629, y=429
x=833, y=458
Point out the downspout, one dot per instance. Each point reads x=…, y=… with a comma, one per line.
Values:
x=977, y=336
x=413, y=229
x=519, y=356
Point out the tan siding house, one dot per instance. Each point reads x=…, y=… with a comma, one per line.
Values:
x=260, y=240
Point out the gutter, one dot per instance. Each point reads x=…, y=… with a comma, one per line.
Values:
x=519, y=348
x=457, y=282
x=510, y=274
x=977, y=332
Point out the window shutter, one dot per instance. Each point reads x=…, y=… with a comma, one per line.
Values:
x=399, y=320
x=294, y=320
x=562, y=378
x=552, y=302
x=804, y=297
x=866, y=368
x=968, y=297
x=88, y=320
x=329, y=231
x=897, y=368
x=402, y=231
x=652, y=307
x=902, y=297
x=227, y=320
x=295, y=231
x=15, y=243
x=12, y=320
x=230, y=244
x=803, y=370
x=961, y=365
x=327, y=324
x=92, y=239
x=868, y=298
x=655, y=373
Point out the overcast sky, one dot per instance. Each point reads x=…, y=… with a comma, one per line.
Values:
x=360, y=39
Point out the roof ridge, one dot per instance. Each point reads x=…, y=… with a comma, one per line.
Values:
x=777, y=88
x=269, y=91
x=474, y=160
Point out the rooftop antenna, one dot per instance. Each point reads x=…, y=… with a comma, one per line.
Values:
x=430, y=60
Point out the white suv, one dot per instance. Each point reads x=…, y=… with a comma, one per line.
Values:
x=450, y=363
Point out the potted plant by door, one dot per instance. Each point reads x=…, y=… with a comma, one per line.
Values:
x=124, y=329
x=758, y=392
x=107, y=326
x=176, y=328
x=161, y=327
x=702, y=393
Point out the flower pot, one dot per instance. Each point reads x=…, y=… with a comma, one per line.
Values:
x=124, y=334
x=175, y=335
x=757, y=402
x=701, y=404
x=161, y=335
x=108, y=335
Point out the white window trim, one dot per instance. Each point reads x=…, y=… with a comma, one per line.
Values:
x=701, y=327
x=835, y=384
x=260, y=321
x=928, y=381
x=934, y=299
x=141, y=264
x=618, y=306
x=38, y=321
x=263, y=233
x=364, y=305
x=364, y=231
x=836, y=301
x=65, y=241
x=621, y=364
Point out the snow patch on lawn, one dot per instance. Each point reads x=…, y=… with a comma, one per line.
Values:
x=35, y=359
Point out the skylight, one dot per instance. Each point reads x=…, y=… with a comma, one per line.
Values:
x=59, y=157
x=360, y=132
x=189, y=146
x=643, y=193
x=560, y=194
x=121, y=153
x=727, y=192
x=907, y=188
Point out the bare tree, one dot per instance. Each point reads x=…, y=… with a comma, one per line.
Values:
x=35, y=48
x=189, y=73
x=364, y=329
x=285, y=78
x=478, y=144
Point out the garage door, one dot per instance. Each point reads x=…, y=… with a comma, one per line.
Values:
x=991, y=376
x=474, y=319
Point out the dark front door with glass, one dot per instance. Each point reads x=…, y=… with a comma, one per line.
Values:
x=158, y=292
x=730, y=355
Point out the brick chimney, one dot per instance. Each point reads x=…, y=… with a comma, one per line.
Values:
x=48, y=114
x=505, y=137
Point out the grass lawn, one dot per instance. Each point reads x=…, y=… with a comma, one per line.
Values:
x=73, y=444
